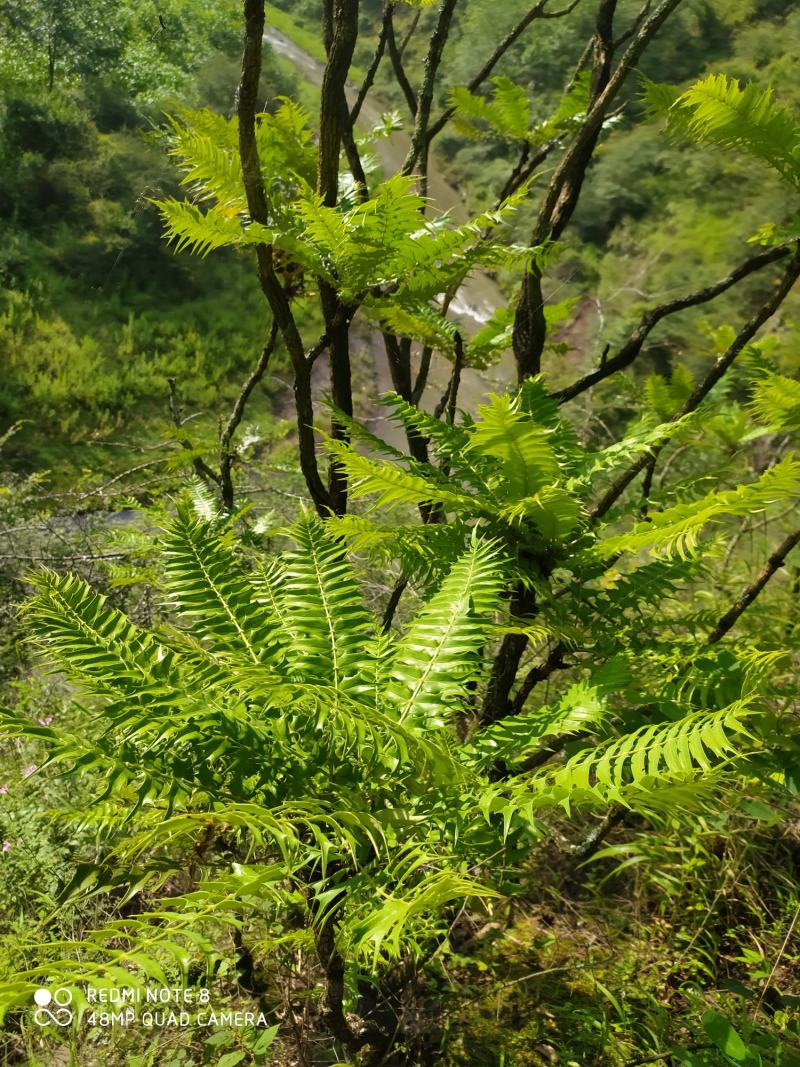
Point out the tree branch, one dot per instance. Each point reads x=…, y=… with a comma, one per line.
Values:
x=369, y=77
x=226, y=454
x=561, y=197
x=341, y=27
x=538, y=11
x=246, y=101
x=397, y=60
x=633, y=346
x=201, y=468
x=418, y=152
x=718, y=370
x=341, y=31
x=771, y=567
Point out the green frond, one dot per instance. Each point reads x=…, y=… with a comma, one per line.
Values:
x=776, y=402
x=438, y=656
x=92, y=640
x=717, y=110
x=421, y=322
x=505, y=114
x=189, y=227
x=207, y=586
x=582, y=709
x=329, y=625
x=423, y=551
x=503, y=431
x=636, y=766
x=392, y=486
x=493, y=339
x=382, y=930
x=555, y=512
x=677, y=529
x=206, y=147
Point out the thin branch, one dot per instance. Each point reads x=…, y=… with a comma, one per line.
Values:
x=421, y=379
x=538, y=11
x=246, y=103
x=563, y=192
x=539, y=673
x=393, y=602
x=450, y=395
x=316, y=351
x=369, y=77
x=718, y=370
x=417, y=157
x=743, y=602
x=634, y=27
x=585, y=849
x=410, y=32
x=633, y=346
x=201, y=468
x=226, y=454
x=397, y=60
x=525, y=168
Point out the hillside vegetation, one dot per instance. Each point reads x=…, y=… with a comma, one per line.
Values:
x=399, y=548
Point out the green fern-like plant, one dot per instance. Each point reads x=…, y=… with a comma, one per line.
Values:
x=296, y=772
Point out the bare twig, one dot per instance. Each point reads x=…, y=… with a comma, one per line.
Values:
x=369, y=77
x=395, y=55
x=201, y=468
x=718, y=370
x=226, y=453
x=417, y=157
x=743, y=602
x=633, y=346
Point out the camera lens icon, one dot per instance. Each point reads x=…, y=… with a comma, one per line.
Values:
x=60, y=1015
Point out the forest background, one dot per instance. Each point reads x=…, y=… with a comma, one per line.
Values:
x=667, y=937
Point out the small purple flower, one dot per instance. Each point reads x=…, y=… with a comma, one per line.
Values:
x=45, y=721
x=6, y=846
x=29, y=771
x=3, y=789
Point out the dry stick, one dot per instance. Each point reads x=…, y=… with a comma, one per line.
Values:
x=410, y=33
x=781, y=951
x=418, y=151
x=773, y=564
x=397, y=60
x=538, y=11
x=564, y=189
x=369, y=78
x=718, y=370
x=633, y=346
x=201, y=468
x=525, y=168
x=246, y=103
x=631, y=32
x=226, y=454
